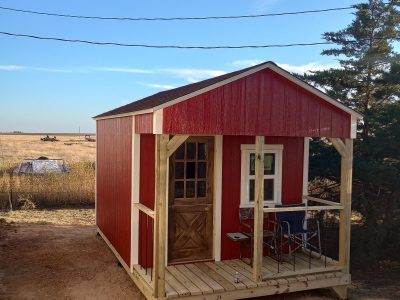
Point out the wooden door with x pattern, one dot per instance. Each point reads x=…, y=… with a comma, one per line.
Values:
x=190, y=205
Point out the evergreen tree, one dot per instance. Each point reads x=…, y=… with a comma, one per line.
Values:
x=368, y=80
x=366, y=56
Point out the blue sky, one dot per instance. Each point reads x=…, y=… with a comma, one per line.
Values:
x=48, y=86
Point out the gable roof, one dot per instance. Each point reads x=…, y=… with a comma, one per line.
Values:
x=173, y=96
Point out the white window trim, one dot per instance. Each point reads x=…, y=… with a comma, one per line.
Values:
x=246, y=149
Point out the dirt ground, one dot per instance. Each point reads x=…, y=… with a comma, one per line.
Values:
x=56, y=254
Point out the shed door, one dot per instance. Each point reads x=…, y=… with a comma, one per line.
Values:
x=190, y=205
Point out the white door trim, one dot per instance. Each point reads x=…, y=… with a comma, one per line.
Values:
x=218, y=156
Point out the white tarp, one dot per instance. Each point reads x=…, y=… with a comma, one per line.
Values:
x=45, y=166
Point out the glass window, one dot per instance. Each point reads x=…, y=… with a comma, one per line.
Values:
x=272, y=174
x=269, y=163
x=201, y=170
x=190, y=189
x=202, y=151
x=180, y=152
x=190, y=170
x=251, y=190
x=268, y=189
x=201, y=189
x=252, y=164
x=179, y=192
x=190, y=150
x=179, y=170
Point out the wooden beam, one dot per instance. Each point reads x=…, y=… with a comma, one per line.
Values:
x=175, y=142
x=323, y=201
x=160, y=215
x=144, y=209
x=339, y=146
x=303, y=208
x=258, y=209
x=340, y=291
x=345, y=201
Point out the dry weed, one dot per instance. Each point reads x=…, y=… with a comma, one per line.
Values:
x=29, y=191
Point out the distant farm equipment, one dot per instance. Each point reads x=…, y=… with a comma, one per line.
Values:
x=88, y=138
x=41, y=165
x=49, y=139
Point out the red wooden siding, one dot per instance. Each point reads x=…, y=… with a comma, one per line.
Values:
x=264, y=103
x=146, y=196
x=292, y=181
x=114, y=169
x=144, y=123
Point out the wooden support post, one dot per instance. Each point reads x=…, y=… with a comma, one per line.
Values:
x=345, y=213
x=345, y=201
x=160, y=215
x=258, y=209
x=175, y=142
x=339, y=146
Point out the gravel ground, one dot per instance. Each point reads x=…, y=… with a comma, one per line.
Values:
x=56, y=254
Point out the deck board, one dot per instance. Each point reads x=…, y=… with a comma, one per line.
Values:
x=204, y=288
x=228, y=286
x=189, y=285
x=214, y=285
x=244, y=279
x=244, y=272
x=226, y=274
x=216, y=280
x=175, y=284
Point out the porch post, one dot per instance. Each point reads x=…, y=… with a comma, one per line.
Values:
x=346, y=174
x=345, y=201
x=160, y=215
x=258, y=209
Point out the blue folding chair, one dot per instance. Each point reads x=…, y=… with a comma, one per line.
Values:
x=298, y=230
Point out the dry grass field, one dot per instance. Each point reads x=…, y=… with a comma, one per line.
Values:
x=26, y=191
x=17, y=147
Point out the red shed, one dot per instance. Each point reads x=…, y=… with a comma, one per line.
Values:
x=194, y=185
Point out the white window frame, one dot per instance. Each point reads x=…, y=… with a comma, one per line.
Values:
x=246, y=150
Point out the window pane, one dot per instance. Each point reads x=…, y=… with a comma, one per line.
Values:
x=180, y=152
x=202, y=151
x=179, y=189
x=201, y=170
x=251, y=190
x=269, y=189
x=269, y=164
x=201, y=189
x=190, y=191
x=179, y=172
x=190, y=150
x=190, y=170
x=252, y=164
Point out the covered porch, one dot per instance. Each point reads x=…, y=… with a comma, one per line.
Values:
x=216, y=280
x=234, y=278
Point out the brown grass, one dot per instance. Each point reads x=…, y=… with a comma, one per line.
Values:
x=17, y=147
x=83, y=216
x=72, y=188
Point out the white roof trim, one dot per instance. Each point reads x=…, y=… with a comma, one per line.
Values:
x=139, y=112
x=267, y=65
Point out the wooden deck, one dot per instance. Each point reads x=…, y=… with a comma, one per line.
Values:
x=216, y=280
